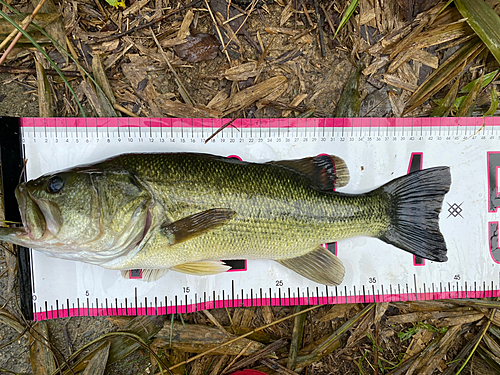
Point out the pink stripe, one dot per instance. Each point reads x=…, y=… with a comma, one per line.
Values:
x=65, y=122
x=284, y=301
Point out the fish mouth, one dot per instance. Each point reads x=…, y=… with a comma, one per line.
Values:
x=40, y=217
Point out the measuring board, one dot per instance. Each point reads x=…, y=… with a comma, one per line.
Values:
x=376, y=151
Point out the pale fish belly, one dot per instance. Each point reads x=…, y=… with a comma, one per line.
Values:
x=245, y=239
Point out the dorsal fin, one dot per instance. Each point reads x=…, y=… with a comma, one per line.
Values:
x=327, y=172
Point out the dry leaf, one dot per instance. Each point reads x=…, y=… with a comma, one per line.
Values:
x=54, y=29
x=45, y=106
x=97, y=365
x=196, y=48
x=41, y=358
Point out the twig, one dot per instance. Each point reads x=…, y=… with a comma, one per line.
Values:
x=238, y=356
x=254, y=3
x=245, y=362
x=264, y=53
x=272, y=364
x=27, y=20
x=184, y=93
x=320, y=21
x=220, y=129
x=118, y=107
x=240, y=337
x=50, y=72
x=159, y=19
x=218, y=31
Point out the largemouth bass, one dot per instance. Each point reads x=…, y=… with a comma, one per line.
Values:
x=186, y=211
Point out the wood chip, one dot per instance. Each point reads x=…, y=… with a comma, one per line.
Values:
x=286, y=13
x=426, y=58
x=102, y=80
x=54, y=29
x=219, y=365
x=185, y=26
x=194, y=338
x=242, y=72
x=242, y=317
x=395, y=81
x=216, y=322
x=460, y=320
x=376, y=64
x=267, y=314
x=250, y=95
x=135, y=7
x=221, y=95
x=419, y=342
x=177, y=109
x=421, y=316
x=295, y=102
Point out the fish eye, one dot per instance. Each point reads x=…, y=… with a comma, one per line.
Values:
x=55, y=184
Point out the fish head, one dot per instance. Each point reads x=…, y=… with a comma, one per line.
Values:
x=86, y=209
x=58, y=205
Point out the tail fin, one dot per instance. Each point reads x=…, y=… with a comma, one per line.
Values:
x=415, y=201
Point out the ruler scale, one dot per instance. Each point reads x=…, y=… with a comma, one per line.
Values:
x=376, y=150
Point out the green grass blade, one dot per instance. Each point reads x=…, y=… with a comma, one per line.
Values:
x=469, y=103
x=347, y=15
x=486, y=81
x=446, y=104
x=42, y=51
x=494, y=103
x=484, y=21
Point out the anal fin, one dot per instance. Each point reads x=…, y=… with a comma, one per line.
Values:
x=319, y=265
x=205, y=267
x=144, y=275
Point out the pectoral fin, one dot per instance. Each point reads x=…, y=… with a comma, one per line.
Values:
x=326, y=172
x=194, y=225
x=206, y=267
x=319, y=265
